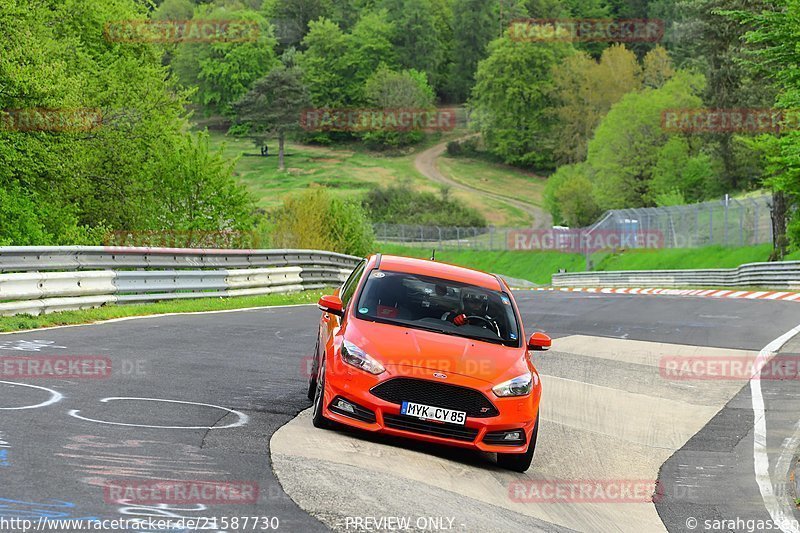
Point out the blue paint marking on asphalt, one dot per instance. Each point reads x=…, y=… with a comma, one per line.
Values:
x=4, y=458
x=52, y=509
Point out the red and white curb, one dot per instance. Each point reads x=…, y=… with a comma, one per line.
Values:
x=747, y=295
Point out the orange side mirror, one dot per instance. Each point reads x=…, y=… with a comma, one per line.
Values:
x=332, y=305
x=540, y=342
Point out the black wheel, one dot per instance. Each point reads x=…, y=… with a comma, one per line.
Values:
x=312, y=378
x=520, y=462
x=317, y=418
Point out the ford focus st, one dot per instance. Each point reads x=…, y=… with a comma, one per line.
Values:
x=428, y=351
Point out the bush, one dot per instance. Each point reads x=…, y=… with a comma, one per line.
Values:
x=400, y=204
x=568, y=197
x=316, y=219
x=465, y=148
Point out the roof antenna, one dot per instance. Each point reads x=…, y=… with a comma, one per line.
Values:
x=433, y=255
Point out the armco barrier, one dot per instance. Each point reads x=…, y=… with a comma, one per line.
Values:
x=781, y=275
x=38, y=280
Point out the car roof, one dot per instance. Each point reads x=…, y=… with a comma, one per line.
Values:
x=436, y=269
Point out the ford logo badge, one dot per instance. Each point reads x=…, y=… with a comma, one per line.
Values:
x=439, y=375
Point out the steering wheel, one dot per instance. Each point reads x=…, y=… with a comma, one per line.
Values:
x=485, y=320
x=489, y=324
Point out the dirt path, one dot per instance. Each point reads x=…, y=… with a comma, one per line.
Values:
x=426, y=164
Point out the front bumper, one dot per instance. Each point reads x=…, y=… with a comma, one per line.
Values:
x=372, y=413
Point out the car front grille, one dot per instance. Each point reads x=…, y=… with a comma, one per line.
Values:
x=471, y=401
x=448, y=431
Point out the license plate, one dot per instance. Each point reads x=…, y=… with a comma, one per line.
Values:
x=439, y=414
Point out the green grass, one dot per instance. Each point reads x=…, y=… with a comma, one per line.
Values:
x=25, y=322
x=495, y=178
x=351, y=170
x=537, y=267
x=669, y=259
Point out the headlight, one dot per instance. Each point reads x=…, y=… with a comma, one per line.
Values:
x=353, y=355
x=519, y=386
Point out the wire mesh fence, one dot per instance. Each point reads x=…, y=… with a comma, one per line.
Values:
x=726, y=222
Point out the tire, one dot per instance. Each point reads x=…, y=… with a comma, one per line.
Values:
x=520, y=462
x=312, y=378
x=317, y=418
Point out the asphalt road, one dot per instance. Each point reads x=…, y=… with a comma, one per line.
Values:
x=247, y=369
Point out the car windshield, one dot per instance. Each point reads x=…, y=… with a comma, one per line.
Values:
x=440, y=305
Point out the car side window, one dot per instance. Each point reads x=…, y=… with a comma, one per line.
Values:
x=349, y=287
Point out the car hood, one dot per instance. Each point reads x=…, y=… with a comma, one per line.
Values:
x=409, y=347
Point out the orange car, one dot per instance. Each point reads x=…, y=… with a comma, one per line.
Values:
x=432, y=352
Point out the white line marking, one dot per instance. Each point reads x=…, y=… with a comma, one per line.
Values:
x=775, y=507
x=55, y=397
x=243, y=418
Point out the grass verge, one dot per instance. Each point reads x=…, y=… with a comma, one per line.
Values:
x=87, y=316
x=675, y=259
x=539, y=267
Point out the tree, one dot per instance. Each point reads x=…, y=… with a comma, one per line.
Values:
x=416, y=37
x=473, y=29
x=683, y=170
x=387, y=89
x=336, y=65
x=583, y=91
x=774, y=45
x=222, y=71
x=273, y=107
x=657, y=68
x=625, y=147
x=568, y=196
x=512, y=97
x=136, y=169
x=291, y=18
x=718, y=46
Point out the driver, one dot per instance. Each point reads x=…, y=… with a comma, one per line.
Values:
x=473, y=304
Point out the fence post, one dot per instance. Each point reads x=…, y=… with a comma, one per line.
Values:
x=711, y=224
x=458, y=238
x=725, y=243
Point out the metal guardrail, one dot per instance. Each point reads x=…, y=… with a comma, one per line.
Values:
x=38, y=280
x=783, y=275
